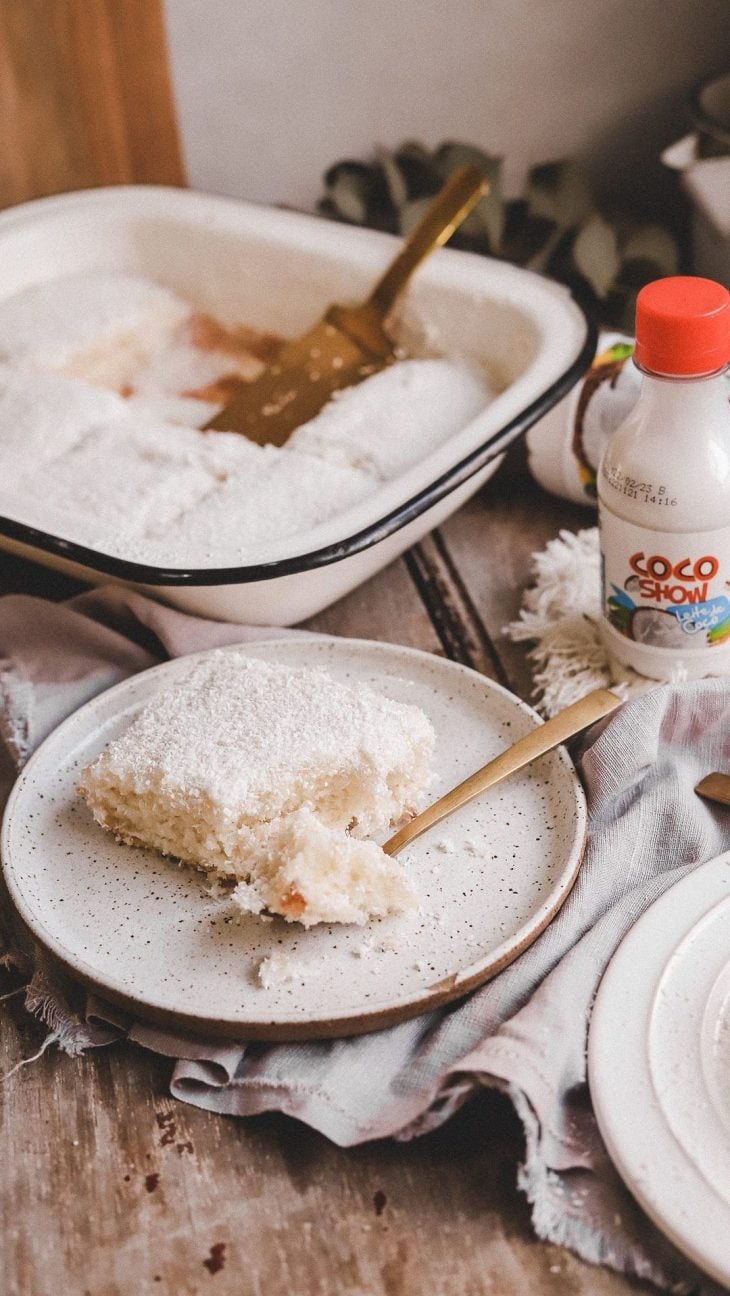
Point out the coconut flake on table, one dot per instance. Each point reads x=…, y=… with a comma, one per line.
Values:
x=395, y=418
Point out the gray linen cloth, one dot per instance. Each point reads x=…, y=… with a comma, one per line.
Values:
x=525, y=1032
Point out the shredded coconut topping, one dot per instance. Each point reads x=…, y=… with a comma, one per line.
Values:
x=274, y=778
x=68, y=323
x=218, y=499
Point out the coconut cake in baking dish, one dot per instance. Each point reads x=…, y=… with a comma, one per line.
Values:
x=129, y=334
x=99, y=372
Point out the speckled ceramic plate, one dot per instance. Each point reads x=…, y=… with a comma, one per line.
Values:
x=659, y=1064
x=143, y=932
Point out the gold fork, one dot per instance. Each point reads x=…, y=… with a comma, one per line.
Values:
x=573, y=720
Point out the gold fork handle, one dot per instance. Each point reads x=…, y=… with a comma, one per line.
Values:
x=715, y=787
x=445, y=214
x=569, y=722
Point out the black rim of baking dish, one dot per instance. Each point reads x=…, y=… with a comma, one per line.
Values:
x=141, y=574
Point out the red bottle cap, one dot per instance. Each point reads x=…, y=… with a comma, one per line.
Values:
x=683, y=326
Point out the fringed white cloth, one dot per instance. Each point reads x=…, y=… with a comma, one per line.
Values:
x=560, y=616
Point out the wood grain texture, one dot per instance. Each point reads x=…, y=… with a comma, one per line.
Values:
x=491, y=542
x=460, y=629
x=85, y=97
x=387, y=608
x=110, y=1188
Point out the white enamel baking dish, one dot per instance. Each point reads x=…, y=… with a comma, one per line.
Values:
x=278, y=270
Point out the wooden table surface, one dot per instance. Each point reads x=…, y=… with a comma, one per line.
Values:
x=110, y=1188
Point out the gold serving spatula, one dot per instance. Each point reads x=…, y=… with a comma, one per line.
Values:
x=350, y=342
x=715, y=787
x=573, y=720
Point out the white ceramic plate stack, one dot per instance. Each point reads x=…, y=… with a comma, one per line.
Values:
x=659, y=1064
x=144, y=932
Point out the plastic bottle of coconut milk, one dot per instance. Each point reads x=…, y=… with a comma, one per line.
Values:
x=664, y=491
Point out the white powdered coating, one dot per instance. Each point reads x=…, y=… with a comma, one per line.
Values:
x=396, y=417
x=89, y=325
x=187, y=411
x=220, y=501
x=182, y=367
x=43, y=416
x=278, y=495
x=117, y=483
x=240, y=732
x=269, y=775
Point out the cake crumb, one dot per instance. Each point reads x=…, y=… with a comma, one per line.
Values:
x=281, y=969
x=445, y=845
x=388, y=944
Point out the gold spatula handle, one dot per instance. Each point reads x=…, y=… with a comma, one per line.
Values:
x=449, y=208
x=569, y=722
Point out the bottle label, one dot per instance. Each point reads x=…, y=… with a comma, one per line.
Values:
x=668, y=590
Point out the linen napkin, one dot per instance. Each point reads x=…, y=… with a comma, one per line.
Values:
x=524, y=1032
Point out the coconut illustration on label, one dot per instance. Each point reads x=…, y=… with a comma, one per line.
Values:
x=608, y=393
x=565, y=446
x=663, y=602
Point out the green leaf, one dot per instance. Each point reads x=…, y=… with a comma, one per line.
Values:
x=348, y=195
x=416, y=149
x=653, y=243
x=554, y=227
x=621, y=350
x=418, y=171
x=596, y=254
x=558, y=192
x=354, y=189
x=523, y=235
x=450, y=155
x=489, y=213
x=394, y=179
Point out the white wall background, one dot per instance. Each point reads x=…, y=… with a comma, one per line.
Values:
x=270, y=92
